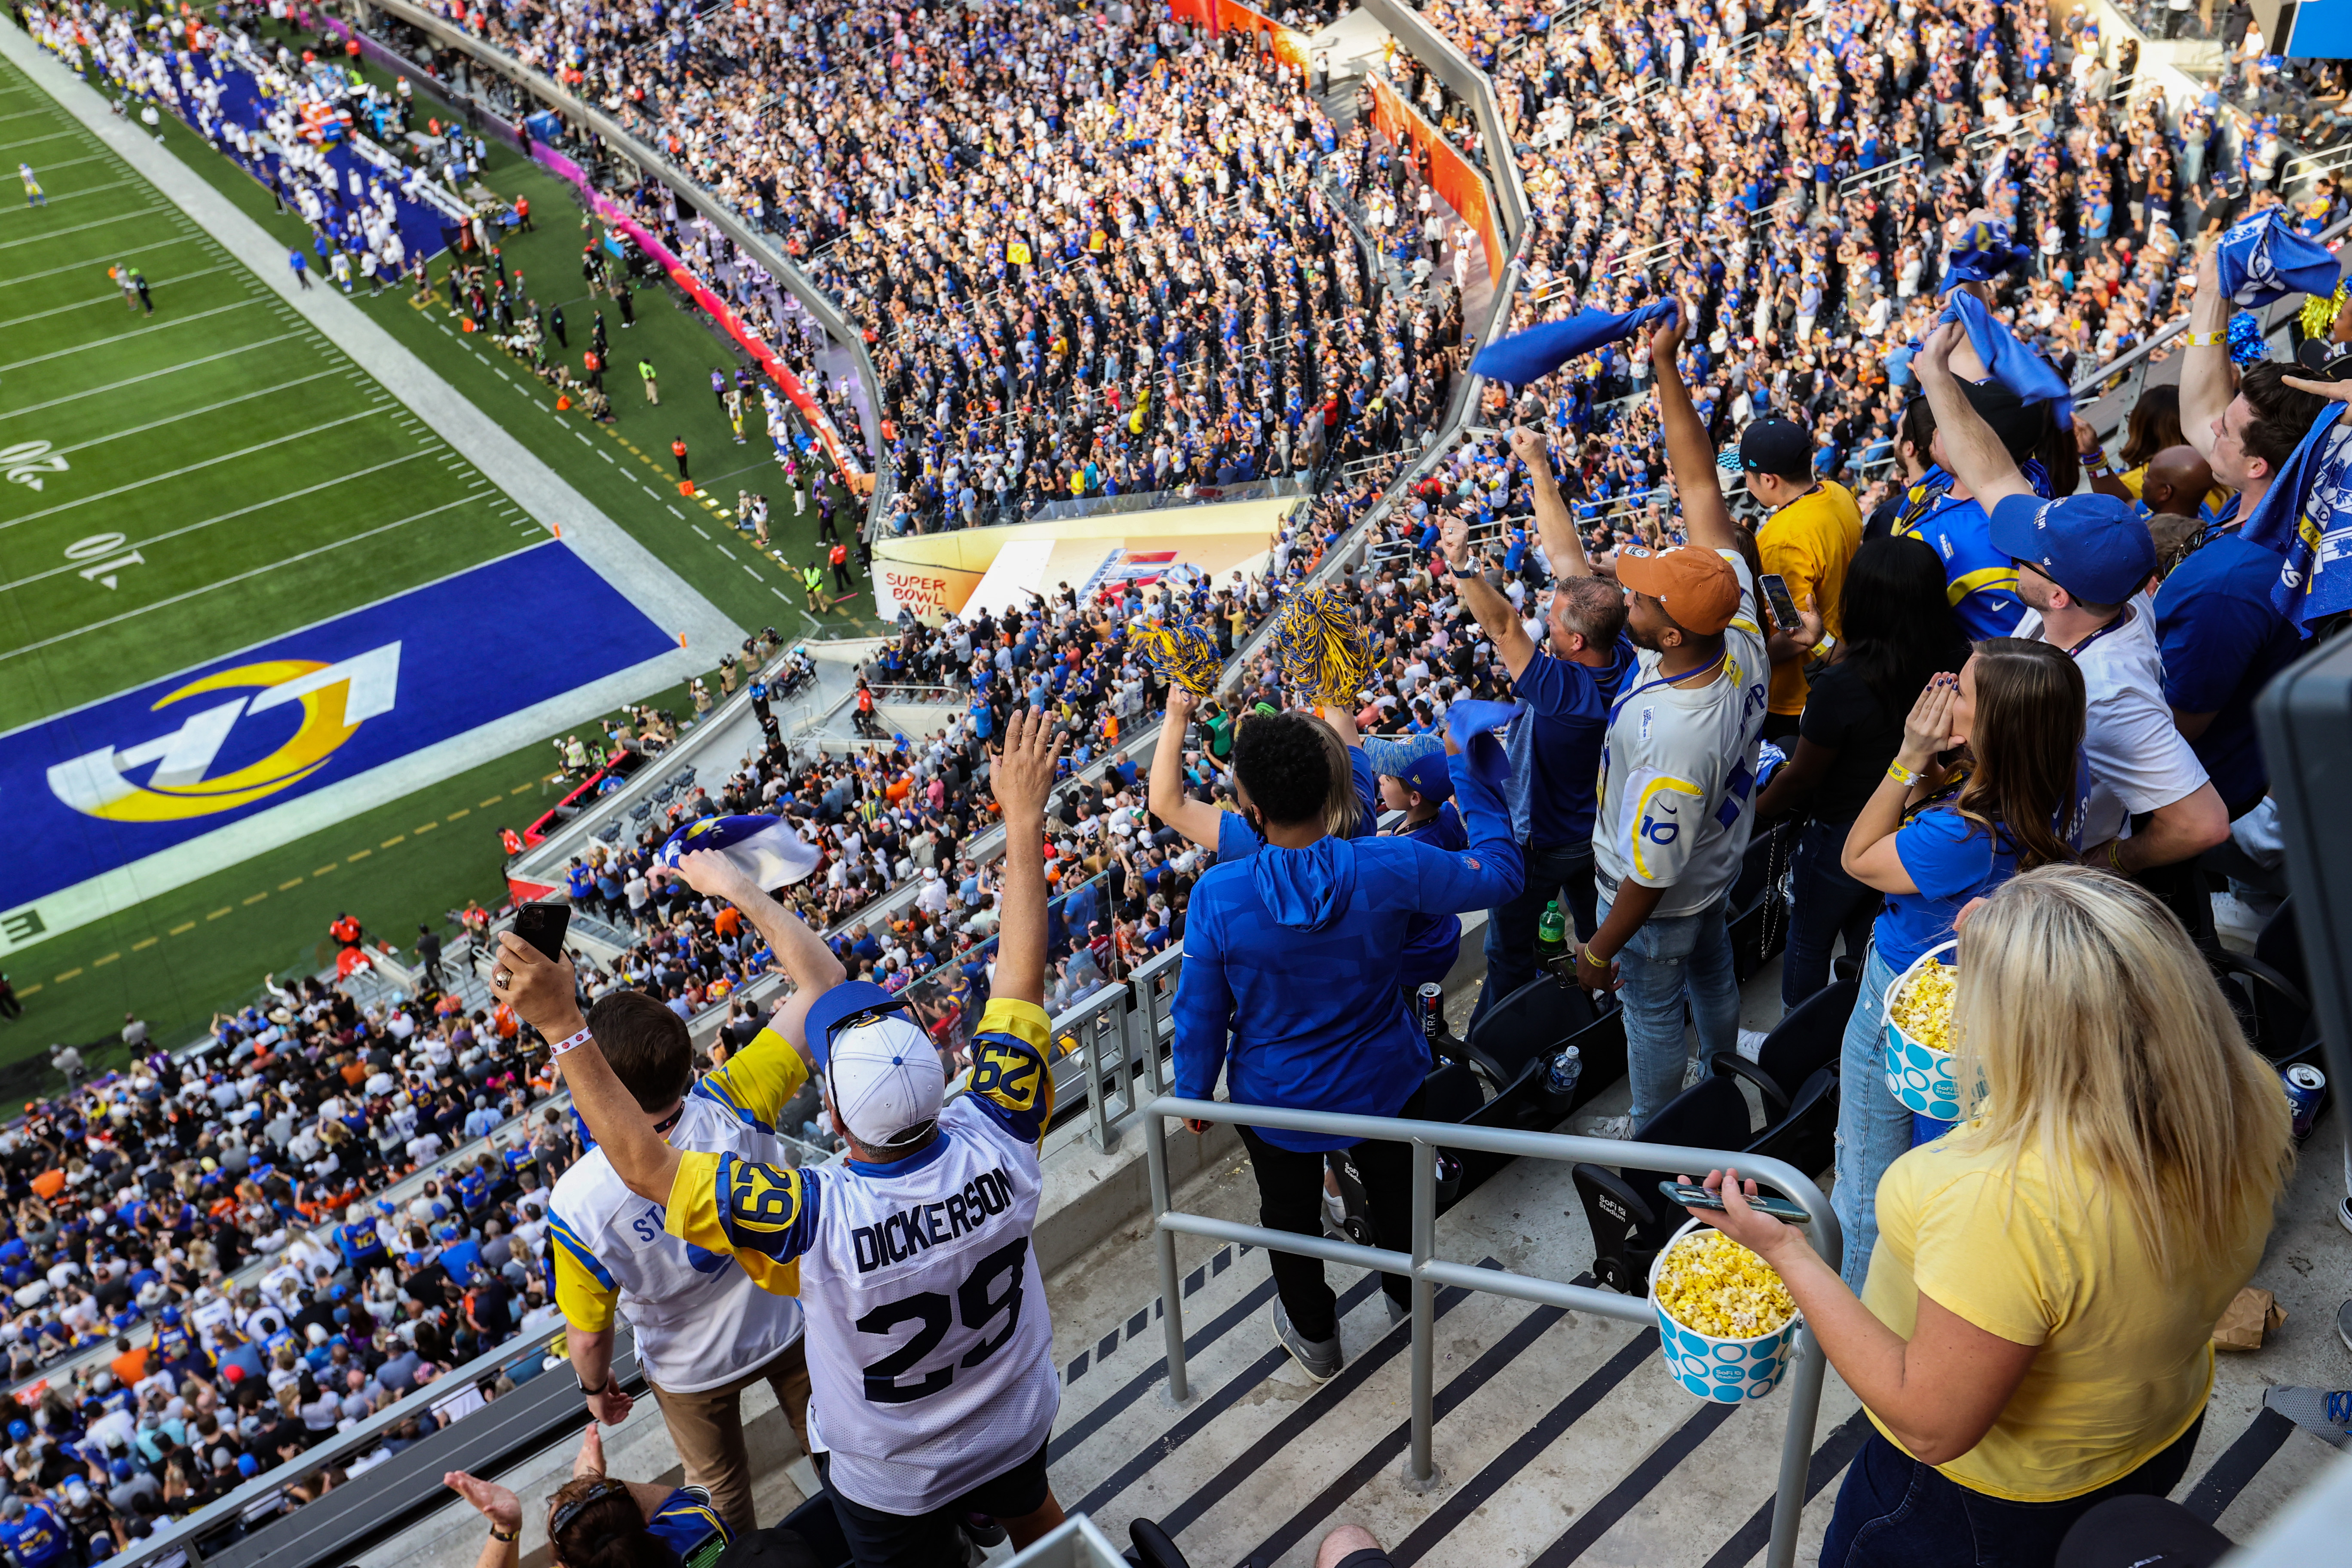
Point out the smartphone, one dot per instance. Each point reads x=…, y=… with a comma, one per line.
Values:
x=1694, y=1197
x=1784, y=608
x=542, y=925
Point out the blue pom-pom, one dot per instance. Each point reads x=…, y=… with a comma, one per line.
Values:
x=2247, y=345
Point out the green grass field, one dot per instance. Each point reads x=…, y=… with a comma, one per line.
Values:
x=228, y=403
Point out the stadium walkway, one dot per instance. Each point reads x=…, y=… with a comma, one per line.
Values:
x=617, y=557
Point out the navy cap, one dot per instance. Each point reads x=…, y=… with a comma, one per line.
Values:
x=2095, y=546
x=845, y=1002
x=1776, y=447
x=1429, y=776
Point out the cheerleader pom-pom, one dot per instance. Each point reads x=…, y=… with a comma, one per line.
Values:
x=1184, y=654
x=2246, y=344
x=1321, y=648
x=2320, y=311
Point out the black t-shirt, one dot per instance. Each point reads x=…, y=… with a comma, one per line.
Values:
x=1843, y=714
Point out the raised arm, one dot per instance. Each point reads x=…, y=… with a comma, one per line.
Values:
x=1689, y=455
x=1971, y=451
x=1496, y=617
x=1195, y=819
x=542, y=994
x=1021, y=775
x=1554, y=527
x=813, y=966
x=2207, y=384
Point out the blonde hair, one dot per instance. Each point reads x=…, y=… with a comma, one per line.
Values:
x=2099, y=1039
x=1342, y=808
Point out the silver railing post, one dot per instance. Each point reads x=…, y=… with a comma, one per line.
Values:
x=1797, y=1448
x=1164, y=1240
x=1420, y=1469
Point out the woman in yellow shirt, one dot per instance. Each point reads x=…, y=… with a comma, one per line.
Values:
x=2035, y=1334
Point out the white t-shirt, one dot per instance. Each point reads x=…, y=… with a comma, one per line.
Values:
x=1678, y=772
x=2139, y=761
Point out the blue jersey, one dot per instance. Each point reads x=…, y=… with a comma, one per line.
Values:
x=36, y=1540
x=359, y=1242
x=1980, y=583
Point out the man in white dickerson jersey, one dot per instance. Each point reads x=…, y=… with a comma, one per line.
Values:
x=704, y=1331
x=930, y=1349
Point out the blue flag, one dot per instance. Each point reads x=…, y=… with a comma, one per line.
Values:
x=1525, y=358
x=765, y=847
x=2263, y=259
x=2011, y=363
x=2305, y=516
x=1982, y=255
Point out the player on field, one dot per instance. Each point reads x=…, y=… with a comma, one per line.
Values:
x=930, y=1348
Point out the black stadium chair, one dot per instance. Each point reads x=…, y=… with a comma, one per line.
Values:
x=2267, y=991
x=1805, y=1041
x=1631, y=1219
x=1530, y=1024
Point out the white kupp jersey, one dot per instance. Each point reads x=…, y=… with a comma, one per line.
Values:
x=699, y=1320
x=931, y=1353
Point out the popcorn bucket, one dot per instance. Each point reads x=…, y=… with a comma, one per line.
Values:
x=1727, y=1372
x=1919, y=1073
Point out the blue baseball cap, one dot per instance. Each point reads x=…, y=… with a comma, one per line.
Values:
x=838, y=1005
x=2095, y=546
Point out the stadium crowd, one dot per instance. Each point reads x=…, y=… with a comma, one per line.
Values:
x=1100, y=260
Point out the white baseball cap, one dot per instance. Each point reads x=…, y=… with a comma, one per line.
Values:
x=885, y=1080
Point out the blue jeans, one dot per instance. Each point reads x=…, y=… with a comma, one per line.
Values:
x=1669, y=961
x=1563, y=873
x=1826, y=904
x=1874, y=1129
x=1895, y=1512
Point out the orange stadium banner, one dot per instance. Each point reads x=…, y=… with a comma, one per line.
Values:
x=1463, y=187
x=1289, y=44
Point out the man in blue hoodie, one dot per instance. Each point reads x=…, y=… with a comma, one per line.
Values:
x=1289, y=990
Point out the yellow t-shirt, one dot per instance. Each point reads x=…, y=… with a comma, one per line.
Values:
x=1809, y=543
x=2127, y=1357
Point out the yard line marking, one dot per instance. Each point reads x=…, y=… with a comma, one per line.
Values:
x=461, y=811
x=151, y=376
x=123, y=337
x=330, y=865
x=113, y=299
x=486, y=804
x=606, y=456
x=94, y=262
x=192, y=467
x=362, y=855
x=35, y=141
x=698, y=528
x=142, y=945
x=191, y=414
x=226, y=582
x=575, y=434
x=224, y=517
x=755, y=576
x=295, y=883
x=779, y=592
x=93, y=190
x=681, y=517
x=181, y=929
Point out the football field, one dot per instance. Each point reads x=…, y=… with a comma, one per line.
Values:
x=182, y=484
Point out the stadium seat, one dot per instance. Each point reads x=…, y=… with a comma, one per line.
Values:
x=1530, y=1024
x=2267, y=991
x=1630, y=1220
x=1804, y=1042
x=816, y=1522
x=1452, y=1093
x=1759, y=913
x=610, y=832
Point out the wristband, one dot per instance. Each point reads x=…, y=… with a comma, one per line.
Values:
x=1586, y=955
x=2116, y=856
x=571, y=1042
x=1904, y=776
x=2208, y=340
x=498, y=1534
x=2094, y=462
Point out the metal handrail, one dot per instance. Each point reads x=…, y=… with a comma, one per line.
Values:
x=1428, y=1271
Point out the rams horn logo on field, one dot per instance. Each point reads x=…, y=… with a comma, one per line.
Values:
x=336, y=699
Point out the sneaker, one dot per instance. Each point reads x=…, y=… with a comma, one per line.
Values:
x=1399, y=1313
x=1693, y=1070
x=984, y=1531
x=2235, y=916
x=2325, y=1413
x=1319, y=1359
x=1617, y=1127
x=1751, y=1043
x=2344, y=1324
x=2344, y=1214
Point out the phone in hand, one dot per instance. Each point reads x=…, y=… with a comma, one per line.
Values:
x=1784, y=608
x=542, y=925
x=1691, y=1196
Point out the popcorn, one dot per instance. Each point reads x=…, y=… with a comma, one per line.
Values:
x=1712, y=1285
x=1923, y=1009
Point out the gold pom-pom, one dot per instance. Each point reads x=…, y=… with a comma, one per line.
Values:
x=2319, y=312
x=1321, y=648
x=1183, y=653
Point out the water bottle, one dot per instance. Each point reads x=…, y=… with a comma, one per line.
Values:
x=1560, y=1080
x=1551, y=937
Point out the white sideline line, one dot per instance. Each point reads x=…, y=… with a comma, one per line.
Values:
x=135, y=380
x=95, y=261
x=192, y=467
x=227, y=581
x=191, y=414
x=124, y=337
x=224, y=517
x=94, y=223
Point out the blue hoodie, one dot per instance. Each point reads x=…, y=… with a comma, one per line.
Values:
x=1295, y=953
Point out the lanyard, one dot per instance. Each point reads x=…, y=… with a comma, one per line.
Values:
x=2125, y=619
x=1619, y=706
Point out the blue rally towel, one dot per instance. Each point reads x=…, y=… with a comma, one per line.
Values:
x=765, y=847
x=2306, y=518
x=2263, y=259
x=1525, y=358
x=1983, y=254
x=2011, y=364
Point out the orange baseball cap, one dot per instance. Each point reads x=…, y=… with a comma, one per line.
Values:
x=1697, y=585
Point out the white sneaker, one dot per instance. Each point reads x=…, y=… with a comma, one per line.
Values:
x=1751, y=1042
x=1617, y=1127
x=2344, y=1214
x=1693, y=1070
x=2234, y=915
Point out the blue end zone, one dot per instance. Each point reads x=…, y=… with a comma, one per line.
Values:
x=108, y=785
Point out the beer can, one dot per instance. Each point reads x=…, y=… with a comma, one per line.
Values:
x=1433, y=1010
x=2304, y=1084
